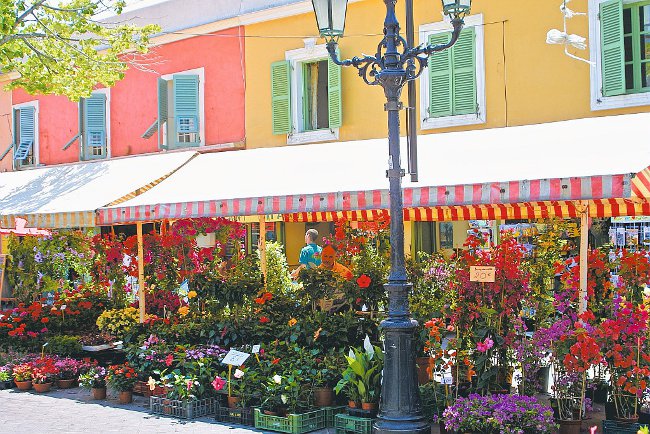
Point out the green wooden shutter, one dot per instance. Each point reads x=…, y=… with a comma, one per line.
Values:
x=334, y=94
x=440, y=83
x=25, y=141
x=281, y=97
x=186, y=107
x=163, y=112
x=95, y=127
x=463, y=55
x=613, y=52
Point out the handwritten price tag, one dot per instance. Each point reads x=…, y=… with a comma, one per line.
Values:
x=235, y=358
x=481, y=274
x=256, y=349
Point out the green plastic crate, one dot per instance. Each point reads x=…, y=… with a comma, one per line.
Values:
x=293, y=423
x=615, y=427
x=330, y=412
x=350, y=424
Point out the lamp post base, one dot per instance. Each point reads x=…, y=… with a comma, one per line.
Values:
x=401, y=427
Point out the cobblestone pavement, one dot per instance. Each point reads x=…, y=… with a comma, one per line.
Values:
x=73, y=411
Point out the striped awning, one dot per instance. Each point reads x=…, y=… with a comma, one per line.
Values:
x=68, y=196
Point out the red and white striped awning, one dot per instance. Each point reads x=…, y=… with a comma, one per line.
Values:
x=556, y=162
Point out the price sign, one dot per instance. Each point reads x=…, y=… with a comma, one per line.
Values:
x=235, y=358
x=256, y=349
x=447, y=380
x=481, y=274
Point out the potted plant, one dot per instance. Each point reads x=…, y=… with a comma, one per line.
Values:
x=5, y=378
x=122, y=378
x=274, y=402
x=95, y=380
x=494, y=414
x=326, y=374
x=43, y=375
x=364, y=373
x=68, y=372
x=23, y=376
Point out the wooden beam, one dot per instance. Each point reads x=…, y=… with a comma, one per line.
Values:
x=583, y=207
x=262, y=246
x=141, y=297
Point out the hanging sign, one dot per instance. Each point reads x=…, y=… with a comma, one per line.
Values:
x=235, y=358
x=481, y=274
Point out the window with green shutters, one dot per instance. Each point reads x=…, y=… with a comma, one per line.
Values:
x=625, y=47
x=452, y=76
x=178, y=124
x=24, y=122
x=306, y=100
x=452, y=86
x=94, y=127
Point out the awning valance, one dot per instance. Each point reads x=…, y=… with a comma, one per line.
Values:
x=68, y=195
x=582, y=159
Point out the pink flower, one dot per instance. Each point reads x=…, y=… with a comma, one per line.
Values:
x=169, y=359
x=190, y=383
x=218, y=383
x=485, y=345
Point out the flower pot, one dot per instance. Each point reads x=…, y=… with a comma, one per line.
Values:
x=323, y=396
x=99, y=393
x=352, y=404
x=233, y=401
x=425, y=366
x=270, y=413
x=125, y=397
x=23, y=385
x=42, y=388
x=570, y=426
x=65, y=384
x=369, y=406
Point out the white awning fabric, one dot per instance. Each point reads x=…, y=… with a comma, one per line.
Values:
x=584, y=159
x=68, y=196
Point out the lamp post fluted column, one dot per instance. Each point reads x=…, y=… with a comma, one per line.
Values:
x=394, y=65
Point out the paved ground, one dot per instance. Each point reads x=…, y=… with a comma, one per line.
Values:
x=73, y=411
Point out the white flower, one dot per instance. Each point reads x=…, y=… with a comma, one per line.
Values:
x=283, y=398
x=368, y=346
x=239, y=373
x=277, y=379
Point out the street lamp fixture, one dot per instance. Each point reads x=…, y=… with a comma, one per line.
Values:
x=394, y=64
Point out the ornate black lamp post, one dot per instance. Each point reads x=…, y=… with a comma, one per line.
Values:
x=394, y=64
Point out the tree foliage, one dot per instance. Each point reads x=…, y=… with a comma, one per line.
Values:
x=63, y=49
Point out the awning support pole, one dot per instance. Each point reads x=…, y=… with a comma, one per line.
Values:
x=583, y=208
x=141, y=297
x=262, y=246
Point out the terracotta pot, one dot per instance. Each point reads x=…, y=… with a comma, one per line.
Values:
x=627, y=419
x=323, y=396
x=425, y=366
x=42, y=388
x=65, y=384
x=99, y=393
x=270, y=413
x=233, y=401
x=570, y=426
x=125, y=397
x=369, y=406
x=23, y=385
x=352, y=404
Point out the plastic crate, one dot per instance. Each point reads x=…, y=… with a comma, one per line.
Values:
x=330, y=412
x=182, y=409
x=241, y=416
x=350, y=424
x=293, y=423
x=616, y=427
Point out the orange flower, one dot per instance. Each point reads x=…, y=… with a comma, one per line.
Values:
x=292, y=322
x=45, y=320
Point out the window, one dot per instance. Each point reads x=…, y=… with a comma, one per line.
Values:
x=424, y=237
x=620, y=30
x=25, y=135
x=93, y=112
x=178, y=124
x=306, y=95
x=453, y=85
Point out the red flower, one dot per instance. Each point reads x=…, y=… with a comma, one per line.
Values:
x=364, y=281
x=275, y=361
x=264, y=320
x=45, y=320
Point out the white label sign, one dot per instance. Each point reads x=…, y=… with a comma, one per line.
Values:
x=235, y=358
x=256, y=349
x=481, y=274
x=447, y=380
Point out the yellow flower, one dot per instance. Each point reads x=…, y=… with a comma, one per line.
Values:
x=191, y=294
x=183, y=310
x=292, y=322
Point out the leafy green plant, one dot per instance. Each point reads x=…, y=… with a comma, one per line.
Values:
x=362, y=377
x=64, y=345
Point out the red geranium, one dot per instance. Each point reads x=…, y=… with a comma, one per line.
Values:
x=364, y=281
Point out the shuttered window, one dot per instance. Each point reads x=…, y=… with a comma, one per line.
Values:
x=24, y=135
x=178, y=112
x=452, y=76
x=319, y=98
x=94, y=127
x=625, y=47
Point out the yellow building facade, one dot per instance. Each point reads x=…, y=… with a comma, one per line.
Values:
x=520, y=79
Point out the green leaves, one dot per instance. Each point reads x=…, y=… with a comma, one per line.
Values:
x=63, y=49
